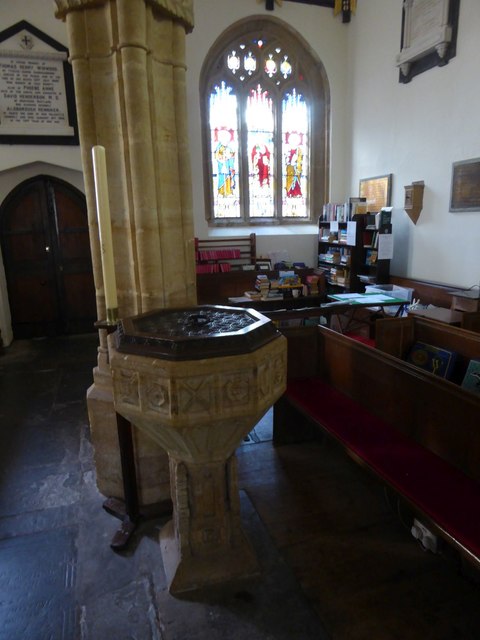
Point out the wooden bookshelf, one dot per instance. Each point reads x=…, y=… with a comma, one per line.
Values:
x=349, y=259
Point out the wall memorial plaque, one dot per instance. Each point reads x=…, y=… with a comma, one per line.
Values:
x=37, y=104
x=465, y=193
x=429, y=35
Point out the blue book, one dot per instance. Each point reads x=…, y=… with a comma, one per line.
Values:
x=438, y=361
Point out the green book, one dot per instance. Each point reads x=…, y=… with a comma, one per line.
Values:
x=471, y=380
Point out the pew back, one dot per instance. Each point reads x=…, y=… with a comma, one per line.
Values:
x=396, y=336
x=434, y=412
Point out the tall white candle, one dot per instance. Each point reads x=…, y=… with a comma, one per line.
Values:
x=104, y=228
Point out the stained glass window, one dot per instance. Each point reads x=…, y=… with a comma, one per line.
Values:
x=261, y=154
x=264, y=138
x=295, y=155
x=224, y=145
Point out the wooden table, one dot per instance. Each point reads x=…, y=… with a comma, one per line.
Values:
x=305, y=307
x=369, y=300
x=373, y=302
x=276, y=303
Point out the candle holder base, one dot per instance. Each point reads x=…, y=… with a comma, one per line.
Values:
x=109, y=327
x=112, y=316
x=118, y=509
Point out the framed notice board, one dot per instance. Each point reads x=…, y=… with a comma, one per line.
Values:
x=377, y=191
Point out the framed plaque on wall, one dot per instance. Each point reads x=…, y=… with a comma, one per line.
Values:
x=37, y=102
x=465, y=193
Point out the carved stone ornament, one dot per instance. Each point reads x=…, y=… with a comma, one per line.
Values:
x=177, y=9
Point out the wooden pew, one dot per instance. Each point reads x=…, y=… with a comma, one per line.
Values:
x=471, y=321
x=417, y=432
x=396, y=336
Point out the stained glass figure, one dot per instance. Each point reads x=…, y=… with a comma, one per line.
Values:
x=294, y=153
x=260, y=125
x=224, y=145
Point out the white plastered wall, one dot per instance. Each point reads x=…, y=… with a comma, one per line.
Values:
x=416, y=131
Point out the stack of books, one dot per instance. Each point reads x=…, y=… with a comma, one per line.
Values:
x=262, y=285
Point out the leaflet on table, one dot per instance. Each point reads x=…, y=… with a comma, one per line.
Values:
x=375, y=298
x=347, y=296
x=371, y=298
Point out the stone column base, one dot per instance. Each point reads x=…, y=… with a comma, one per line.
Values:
x=194, y=573
x=204, y=544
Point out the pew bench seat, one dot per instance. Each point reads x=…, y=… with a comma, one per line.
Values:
x=446, y=497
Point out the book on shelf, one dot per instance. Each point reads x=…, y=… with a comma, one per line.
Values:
x=358, y=206
x=312, y=284
x=371, y=257
x=331, y=256
x=383, y=217
x=339, y=276
x=367, y=238
x=335, y=211
x=433, y=359
x=471, y=380
x=344, y=211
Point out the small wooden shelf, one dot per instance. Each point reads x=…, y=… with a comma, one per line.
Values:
x=414, y=200
x=214, y=255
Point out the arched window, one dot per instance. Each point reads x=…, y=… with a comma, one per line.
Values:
x=265, y=108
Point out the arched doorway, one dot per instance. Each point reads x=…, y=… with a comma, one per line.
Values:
x=47, y=260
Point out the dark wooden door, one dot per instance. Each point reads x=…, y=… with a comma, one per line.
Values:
x=46, y=254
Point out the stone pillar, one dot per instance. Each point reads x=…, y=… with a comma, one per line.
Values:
x=128, y=60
